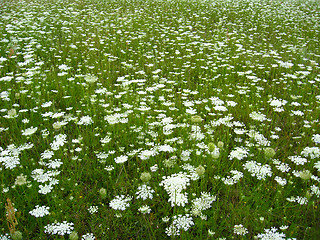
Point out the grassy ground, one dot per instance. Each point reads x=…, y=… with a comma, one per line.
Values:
x=159, y=119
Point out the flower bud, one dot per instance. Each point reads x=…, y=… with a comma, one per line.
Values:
x=17, y=235
x=12, y=113
x=73, y=236
x=56, y=125
x=196, y=119
x=220, y=144
x=269, y=152
x=305, y=175
x=145, y=177
x=200, y=170
x=103, y=193
x=211, y=147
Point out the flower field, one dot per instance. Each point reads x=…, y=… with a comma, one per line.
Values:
x=182, y=119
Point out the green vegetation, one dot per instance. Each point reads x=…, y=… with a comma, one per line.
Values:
x=159, y=119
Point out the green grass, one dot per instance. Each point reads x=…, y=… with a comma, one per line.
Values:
x=155, y=65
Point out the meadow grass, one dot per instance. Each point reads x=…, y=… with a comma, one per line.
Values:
x=159, y=119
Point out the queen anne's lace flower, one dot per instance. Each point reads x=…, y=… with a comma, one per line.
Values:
x=40, y=211
x=120, y=202
x=59, y=228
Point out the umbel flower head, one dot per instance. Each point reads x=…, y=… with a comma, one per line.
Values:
x=89, y=78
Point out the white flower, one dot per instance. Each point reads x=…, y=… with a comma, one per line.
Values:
x=120, y=203
x=258, y=116
x=145, y=209
x=59, y=141
x=239, y=153
x=316, y=138
x=59, y=228
x=40, y=211
x=89, y=78
x=85, y=120
x=121, y=159
x=240, y=230
x=271, y=234
x=144, y=192
x=88, y=236
x=312, y=152
x=93, y=209
x=298, y=160
x=29, y=131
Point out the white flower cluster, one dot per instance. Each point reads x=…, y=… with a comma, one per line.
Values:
x=116, y=118
x=240, y=230
x=298, y=160
x=88, y=236
x=93, y=209
x=40, y=211
x=144, y=192
x=258, y=116
x=5, y=237
x=271, y=234
x=145, y=209
x=277, y=104
x=85, y=120
x=180, y=222
x=315, y=190
x=237, y=175
x=120, y=202
x=239, y=153
x=59, y=141
x=298, y=199
x=174, y=185
x=202, y=203
x=41, y=176
x=312, y=152
x=59, y=228
x=255, y=168
x=316, y=138
x=259, y=138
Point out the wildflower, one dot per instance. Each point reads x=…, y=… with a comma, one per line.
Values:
x=144, y=192
x=180, y=222
x=211, y=147
x=298, y=160
x=239, y=153
x=120, y=203
x=88, y=236
x=29, y=131
x=93, y=209
x=59, y=141
x=89, y=78
x=121, y=159
x=40, y=211
x=271, y=234
x=20, y=180
x=240, y=230
x=145, y=209
x=258, y=116
x=85, y=120
x=312, y=152
x=59, y=228
x=316, y=138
